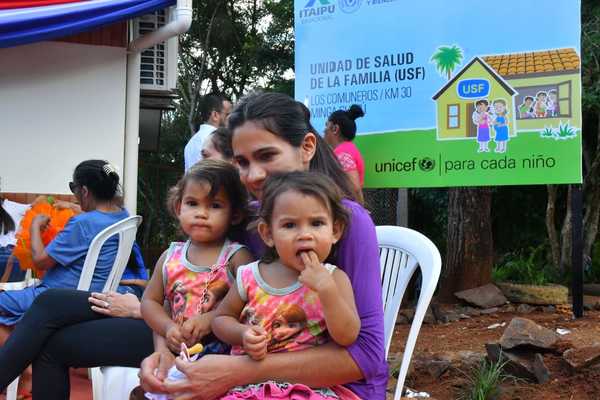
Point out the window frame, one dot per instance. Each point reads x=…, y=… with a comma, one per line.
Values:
x=457, y=116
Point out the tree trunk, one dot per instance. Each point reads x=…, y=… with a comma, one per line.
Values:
x=470, y=251
x=591, y=194
x=566, y=252
x=591, y=222
x=551, y=225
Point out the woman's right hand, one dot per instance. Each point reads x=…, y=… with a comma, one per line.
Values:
x=211, y=376
x=154, y=370
x=116, y=304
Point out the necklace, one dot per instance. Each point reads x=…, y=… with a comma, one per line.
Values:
x=213, y=271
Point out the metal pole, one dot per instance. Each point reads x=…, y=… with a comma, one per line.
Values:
x=577, y=250
x=402, y=208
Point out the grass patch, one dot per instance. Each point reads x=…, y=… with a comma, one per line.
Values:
x=547, y=133
x=563, y=132
x=483, y=381
x=530, y=267
x=566, y=131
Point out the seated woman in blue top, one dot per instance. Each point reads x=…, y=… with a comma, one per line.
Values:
x=96, y=187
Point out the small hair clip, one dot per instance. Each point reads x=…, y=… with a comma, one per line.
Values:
x=108, y=168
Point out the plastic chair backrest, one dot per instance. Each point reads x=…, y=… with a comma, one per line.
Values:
x=401, y=251
x=126, y=229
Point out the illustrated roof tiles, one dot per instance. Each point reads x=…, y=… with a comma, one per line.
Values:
x=551, y=61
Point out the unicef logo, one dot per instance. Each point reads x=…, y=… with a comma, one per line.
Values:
x=349, y=6
x=427, y=164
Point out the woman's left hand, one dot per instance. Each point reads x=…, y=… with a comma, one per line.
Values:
x=210, y=377
x=115, y=304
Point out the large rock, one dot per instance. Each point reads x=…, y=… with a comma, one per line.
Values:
x=582, y=357
x=437, y=364
x=484, y=296
x=541, y=372
x=409, y=313
x=444, y=314
x=525, y=309
x=591, y=302
x=469, y=311
x=429, y=317
x=524, y=332
x=520, y=363
x=533, y=294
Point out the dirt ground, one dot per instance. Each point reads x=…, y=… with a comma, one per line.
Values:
x=472, y=335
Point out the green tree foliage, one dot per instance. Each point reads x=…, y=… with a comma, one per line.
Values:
x=447, y=58
x=231, y=47
x=560, y=236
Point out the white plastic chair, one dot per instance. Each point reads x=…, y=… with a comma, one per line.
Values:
x=126, y=229
x=11, y=390
x=28, y=281
x=118, y=382
x=401, y=250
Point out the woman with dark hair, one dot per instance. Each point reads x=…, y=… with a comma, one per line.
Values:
x=271, y=134
x=95, y=185
x=340, y=131
x=218, y=145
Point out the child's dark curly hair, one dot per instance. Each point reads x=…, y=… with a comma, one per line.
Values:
x=313, y=184
x=219, y=175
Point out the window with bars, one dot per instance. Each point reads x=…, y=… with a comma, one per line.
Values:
x=153, y=69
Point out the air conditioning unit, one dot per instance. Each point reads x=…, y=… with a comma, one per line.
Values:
x=158, y=70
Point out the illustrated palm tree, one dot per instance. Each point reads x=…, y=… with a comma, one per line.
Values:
x=447, y=58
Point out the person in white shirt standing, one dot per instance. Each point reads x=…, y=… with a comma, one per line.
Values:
x=214, y=114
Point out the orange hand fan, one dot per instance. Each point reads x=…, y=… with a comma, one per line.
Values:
x=58, y=220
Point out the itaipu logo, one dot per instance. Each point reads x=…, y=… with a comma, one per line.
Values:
x=349, y=6
x=316, y=8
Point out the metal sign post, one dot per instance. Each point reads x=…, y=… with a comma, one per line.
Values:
x=577, y=250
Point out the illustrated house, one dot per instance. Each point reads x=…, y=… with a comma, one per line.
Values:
x=456, y=100
x=520, y=79
x=551, y=71
x=78, y=79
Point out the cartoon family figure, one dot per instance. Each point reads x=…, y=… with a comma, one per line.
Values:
x=545, y=105
x=484, y=119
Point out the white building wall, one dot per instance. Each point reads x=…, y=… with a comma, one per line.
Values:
x=60, y=104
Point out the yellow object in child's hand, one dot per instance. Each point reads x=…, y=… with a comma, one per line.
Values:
x=195, y=349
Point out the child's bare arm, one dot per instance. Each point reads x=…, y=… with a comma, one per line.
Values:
x=337, y=298
x=339, y=308
x=226, y=325
x=241, y=257
x=152, y=307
